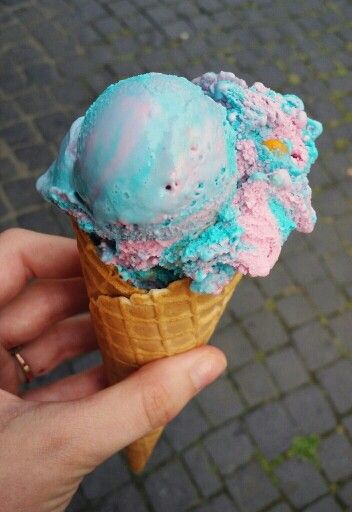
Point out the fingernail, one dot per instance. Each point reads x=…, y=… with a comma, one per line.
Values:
x=207, y=369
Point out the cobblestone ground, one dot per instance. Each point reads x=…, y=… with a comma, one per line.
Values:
x=274, y=434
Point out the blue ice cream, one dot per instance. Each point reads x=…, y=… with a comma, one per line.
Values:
x=173, y=178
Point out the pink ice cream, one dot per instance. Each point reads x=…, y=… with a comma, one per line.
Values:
x=173, y=178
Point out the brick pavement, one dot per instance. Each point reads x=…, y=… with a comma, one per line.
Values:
x=288, y=337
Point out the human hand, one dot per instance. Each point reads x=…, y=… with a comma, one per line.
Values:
x=51, y=437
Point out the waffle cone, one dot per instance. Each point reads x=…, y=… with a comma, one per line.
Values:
x=135, y=326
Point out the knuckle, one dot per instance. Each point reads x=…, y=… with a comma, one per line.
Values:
x=11, y=234
x=158, y=407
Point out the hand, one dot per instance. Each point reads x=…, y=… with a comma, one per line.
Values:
x=51, y=437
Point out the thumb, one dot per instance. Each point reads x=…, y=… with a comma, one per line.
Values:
x=113, y=418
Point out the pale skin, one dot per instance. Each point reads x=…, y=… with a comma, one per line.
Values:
x=51, y=437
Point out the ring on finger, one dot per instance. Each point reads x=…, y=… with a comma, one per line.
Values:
x=25, y=367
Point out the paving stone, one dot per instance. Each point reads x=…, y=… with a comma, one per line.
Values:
x=337, y=380
x=111, y=474
x=341, y=83
x=127, y=45
x=169, y=488
x=202, y=471
x=282, y=507
x=8, y=113
x=300, y=481
x=255, y=383
x=188, y=426
x=187, y=10
x=76, y=67
x=340, y=267
x=271, y=428
x=125, y=499
x=78, y=503
x=251, y=488
x=326, y=504
x=20, y=134
x=236, y=346
x=246, y=299
x=91, y=10
x=210, y=6
x=40, y=220
x=225, y=321
x=349, y=291
x=220, y=503
x=348, y=424
x=320, y=418
x=325, y=296
x=138, y=23
x=41, y=73
x=325, y=113
x=175, y=29
x=22, y=193
x=295, y=310
x=342, y=327
x=7, y=169
x=36, y=157
x=277, y=280
x=161, y=453
x=335, y=454
x=3, y=209
x=266, y=331
x=35, y=102
x=296, y=243
x=160, y=14
x=24, y=53
x=53, y=127
x=107, y=26
x=320, y=179
x=324, y=238
x=5, y=224
x=69, y=92
x=345, y=493
x=125, y=69
x=220, y=401
x=271, y=76
x=229, y=447
x=122, y=9
x=99, y=81
x=304, y=267
x=201, y=22
x=287, y=369
x=12, y=81
x=315, y=345
x=331, y=202
x=344, y=228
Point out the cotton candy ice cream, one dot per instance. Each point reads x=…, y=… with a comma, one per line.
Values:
x=173, y=178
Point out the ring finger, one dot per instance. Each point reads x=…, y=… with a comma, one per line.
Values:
x=64, y=340
x=40, y=305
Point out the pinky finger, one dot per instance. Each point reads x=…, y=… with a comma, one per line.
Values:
x=70, y=388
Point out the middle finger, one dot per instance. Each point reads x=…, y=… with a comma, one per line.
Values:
x=41, y=304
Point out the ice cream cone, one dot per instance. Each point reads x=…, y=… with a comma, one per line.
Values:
x=134, y=326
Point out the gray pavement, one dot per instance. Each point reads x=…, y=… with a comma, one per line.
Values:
x=274, y=434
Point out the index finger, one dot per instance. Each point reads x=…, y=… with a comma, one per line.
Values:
x=26, y=254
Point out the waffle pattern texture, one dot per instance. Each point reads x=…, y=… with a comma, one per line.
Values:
x=134, y=326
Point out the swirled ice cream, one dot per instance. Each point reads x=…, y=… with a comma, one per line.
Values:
x=173, y=178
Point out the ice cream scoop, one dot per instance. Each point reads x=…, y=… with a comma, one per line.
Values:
x=144, y=160
x=173, y=178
